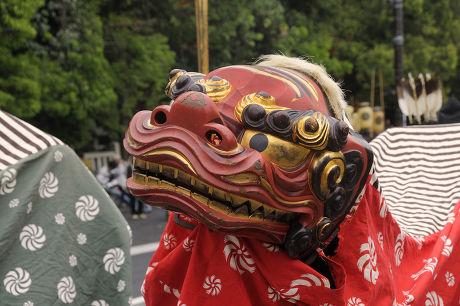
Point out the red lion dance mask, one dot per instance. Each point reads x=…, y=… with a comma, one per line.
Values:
x=260, y=151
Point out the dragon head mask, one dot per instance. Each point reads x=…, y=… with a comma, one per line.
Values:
x=258, y=150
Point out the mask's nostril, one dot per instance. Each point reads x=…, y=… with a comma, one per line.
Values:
x=214, y=138
x=160, y=118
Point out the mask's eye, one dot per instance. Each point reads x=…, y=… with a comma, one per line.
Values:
x=280, y=152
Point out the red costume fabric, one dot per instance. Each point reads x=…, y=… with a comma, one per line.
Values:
x=375, y=264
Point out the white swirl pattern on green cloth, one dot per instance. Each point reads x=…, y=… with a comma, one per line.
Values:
x=66, y=290
x=8, y=181
x=53, y=218
x=17, y=281
x=32, y=237
x=99, y=303
x=48, y=185
x=87, y=208
x=113, y=260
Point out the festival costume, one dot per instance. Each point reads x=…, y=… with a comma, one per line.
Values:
x=62, y=239
x=260, y=162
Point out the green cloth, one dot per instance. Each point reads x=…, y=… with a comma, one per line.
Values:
x=62, y=240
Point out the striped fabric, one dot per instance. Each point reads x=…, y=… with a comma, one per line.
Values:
x=418, y=169
x=18, y=139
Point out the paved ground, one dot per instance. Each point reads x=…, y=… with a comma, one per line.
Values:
x=146, y=234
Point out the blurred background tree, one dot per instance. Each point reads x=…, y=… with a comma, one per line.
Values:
x=76, y=68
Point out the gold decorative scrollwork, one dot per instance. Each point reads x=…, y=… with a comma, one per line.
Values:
x=325, y=172
x=172, y=81
x=312, y=131
x=216, y=88
x=261, y=98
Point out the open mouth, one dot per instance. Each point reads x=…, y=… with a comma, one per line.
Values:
x=165, y=177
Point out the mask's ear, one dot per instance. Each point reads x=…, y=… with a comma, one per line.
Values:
x=301, y=242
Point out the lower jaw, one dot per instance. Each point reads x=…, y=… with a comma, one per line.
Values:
x=241, y=225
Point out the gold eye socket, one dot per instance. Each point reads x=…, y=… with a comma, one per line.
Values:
x=276, y=150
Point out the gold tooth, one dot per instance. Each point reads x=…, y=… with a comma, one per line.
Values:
x=183, y=190
x=168, y=171
x=176, y=173
x=193, y=181
x=167, y=185
x=242, y=211
x=160, y=168
x=139, y=178
x=183, y=178
x=228, y=198
x=200, y=198
x=202, y=186
x=220, y=207
x=220, y=195
x=210, y=190
x=153, y=167
x=153, y=181
x=258, y=213
x=237, y=200
x=139, y=163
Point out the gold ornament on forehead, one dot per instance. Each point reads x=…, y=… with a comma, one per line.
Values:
x=261, y=98
x=216, y=88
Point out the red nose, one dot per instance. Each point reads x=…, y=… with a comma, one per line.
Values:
x=197, y=113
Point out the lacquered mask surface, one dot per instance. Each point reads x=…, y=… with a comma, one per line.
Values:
x=251, y=150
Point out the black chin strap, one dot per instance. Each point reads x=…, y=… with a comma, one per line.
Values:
x=182, y=223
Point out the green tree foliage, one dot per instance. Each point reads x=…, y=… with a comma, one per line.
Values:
x=19, y=84
x=141, y=60
x=75, y=78
x=71, y=66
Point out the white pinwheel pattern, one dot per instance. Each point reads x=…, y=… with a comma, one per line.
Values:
x=447, y=248
x=273, y=295
x=87, y=208
x=17, y=281
x=430, y=265
x=433, y=299
x=292, y=294
x=121, y=285
x=113, y=260
x=99, y=303
x=235, y=252
x=49, y=185
x=13, y=203
x=367, y=263
x=271, y=247
x=59, y=218
x=355, y=301
x=66, y=290
x=73, y=260
x=212, y=285
x=169, y=241
x=399, y=249
x=32, y=237
x=28, y=303
x=188, y=244
x=8, y=181
x=58, y=156
x=450, y=279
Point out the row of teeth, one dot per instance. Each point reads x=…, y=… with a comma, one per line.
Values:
x=148, y=173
